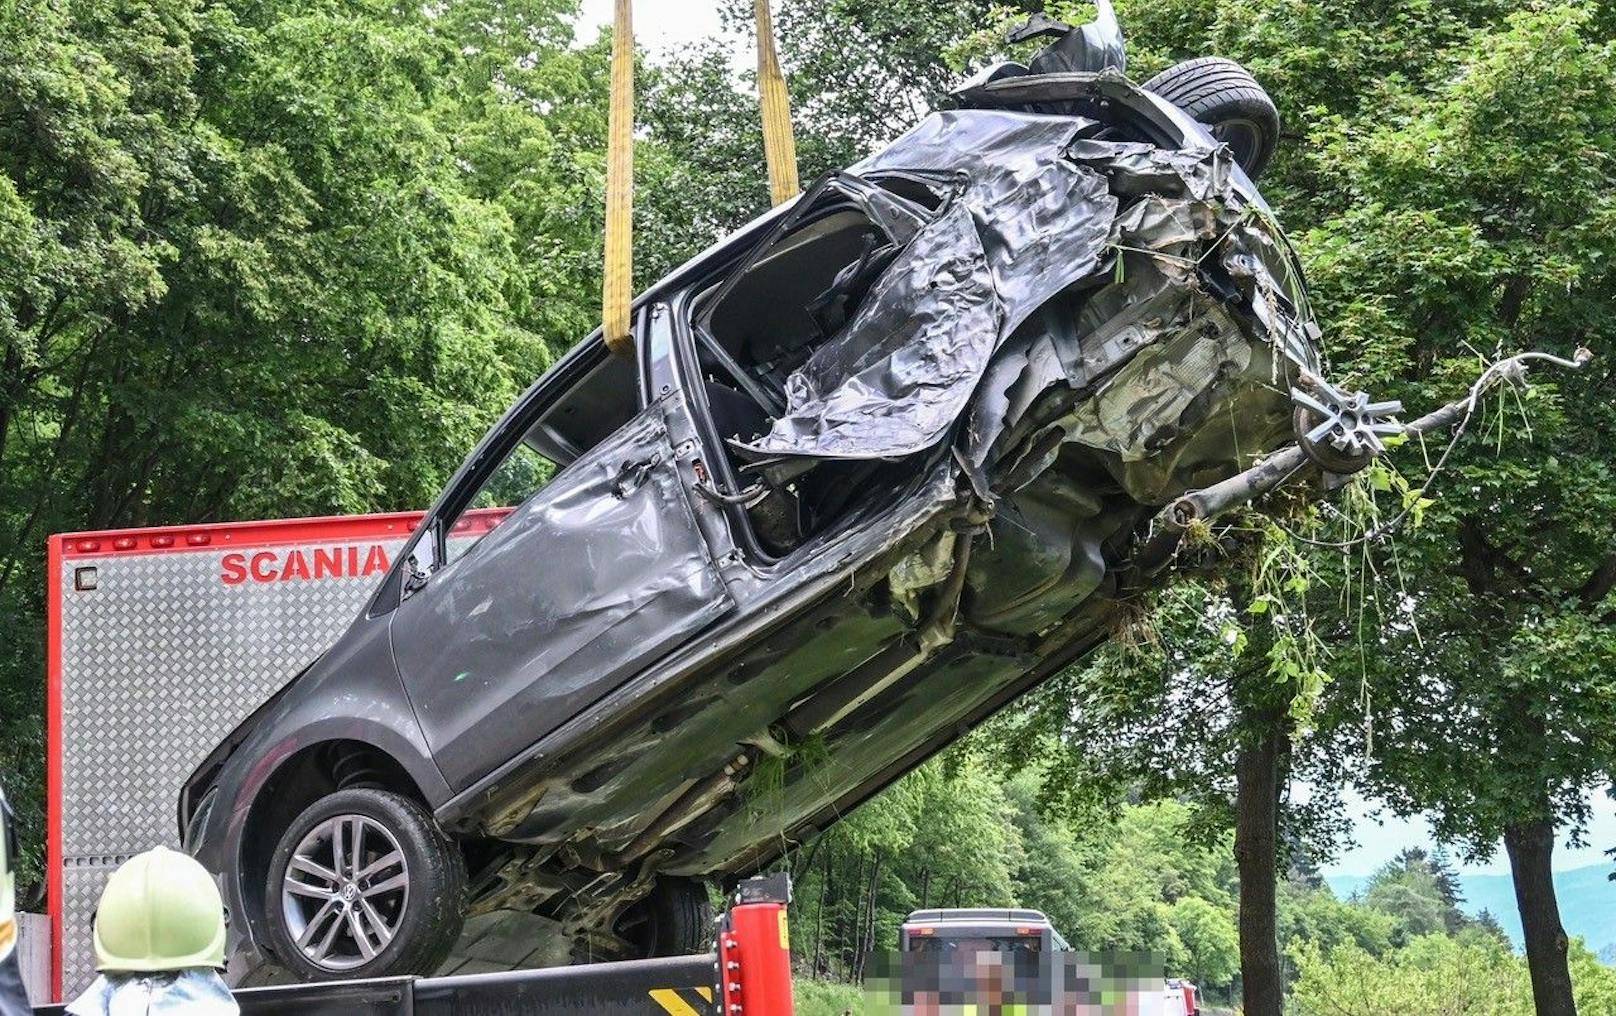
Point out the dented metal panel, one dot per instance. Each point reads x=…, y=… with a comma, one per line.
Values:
x=1038, y=210
x=1024, y=224
x=600, y=571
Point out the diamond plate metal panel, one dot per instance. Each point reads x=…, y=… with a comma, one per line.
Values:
x=82, y=883
x=159, y=661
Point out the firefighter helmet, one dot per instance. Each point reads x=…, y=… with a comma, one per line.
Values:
x=160, y=911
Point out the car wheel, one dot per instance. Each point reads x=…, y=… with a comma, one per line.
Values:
x=675, y=919
x=1223, y=95
x=364, y=884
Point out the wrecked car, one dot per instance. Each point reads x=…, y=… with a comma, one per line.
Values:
x=874, y=468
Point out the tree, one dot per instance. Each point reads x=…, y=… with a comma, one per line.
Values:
x=1487, y=923
x=1407, y=891
x=1482, y=222
x=241, y=277
x=1314, y=918
x=1447, y=884
x=1211, y=946
x=940, y=837
x=1242, y=658
x=1434, y=974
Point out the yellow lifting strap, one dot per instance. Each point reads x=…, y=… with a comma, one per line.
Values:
x=616, y=288
x=779, y=151
x=779, y=146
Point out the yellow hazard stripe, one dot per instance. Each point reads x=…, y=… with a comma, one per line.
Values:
x=705, y=993
x=671, y=1002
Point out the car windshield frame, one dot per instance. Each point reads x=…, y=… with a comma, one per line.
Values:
x=574, y=368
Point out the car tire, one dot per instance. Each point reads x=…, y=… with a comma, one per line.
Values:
x=370, y=863
x=1223, y=95
x=675, y=919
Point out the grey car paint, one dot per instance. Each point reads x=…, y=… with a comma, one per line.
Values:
x=1049, y=352
x=503, y=644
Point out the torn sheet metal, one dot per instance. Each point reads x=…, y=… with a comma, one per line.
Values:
x=1138, y=411
x=1027, y=224
x=896, y=377
x=1016, y=280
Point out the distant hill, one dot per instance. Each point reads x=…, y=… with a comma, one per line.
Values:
x=1587, y=903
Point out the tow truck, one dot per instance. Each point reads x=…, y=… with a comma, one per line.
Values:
x=748, y=973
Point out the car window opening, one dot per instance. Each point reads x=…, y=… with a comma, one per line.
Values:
x=980, y=944
x=752, y=334
x=591, y=410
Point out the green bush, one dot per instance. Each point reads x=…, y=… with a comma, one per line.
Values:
x=1436, y=975
x=827, y=998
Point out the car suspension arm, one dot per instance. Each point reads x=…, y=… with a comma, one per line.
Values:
x=1201, y=506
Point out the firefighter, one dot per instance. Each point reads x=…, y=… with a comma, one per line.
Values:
x=159, y=942
x=12, y=1000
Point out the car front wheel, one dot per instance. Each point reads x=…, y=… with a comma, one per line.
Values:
x=364, y=884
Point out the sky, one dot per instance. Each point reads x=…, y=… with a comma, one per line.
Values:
x=662, y=26
x=1379, y=841
x=659, y=25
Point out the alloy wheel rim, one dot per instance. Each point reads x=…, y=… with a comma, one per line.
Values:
x=345, y=892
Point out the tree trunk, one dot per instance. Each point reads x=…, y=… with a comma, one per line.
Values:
x=1531, y=851
x=850, y=934
x=1256, y=843
x=818, y=966
x=867, y=933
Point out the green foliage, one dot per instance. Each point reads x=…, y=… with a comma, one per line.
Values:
x=1479, y=220
x=956, y=833
x=814, y=997
x=1315, y=918
x=1133, y=881
x=1446, y=176
x=1207, y=933
x=262, y=260
x=941, y=835
x=1409, y=895
x=1435, y=975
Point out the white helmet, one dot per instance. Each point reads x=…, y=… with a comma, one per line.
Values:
x=8, y=900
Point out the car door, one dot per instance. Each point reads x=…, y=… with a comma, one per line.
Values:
x=585, y=582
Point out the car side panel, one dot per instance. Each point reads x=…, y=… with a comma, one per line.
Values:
x=598, y=574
